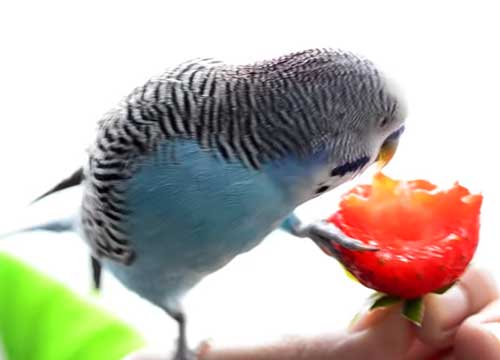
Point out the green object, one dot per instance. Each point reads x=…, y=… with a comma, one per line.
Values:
x=413, y=310
x=41, y=319
x=382, y=300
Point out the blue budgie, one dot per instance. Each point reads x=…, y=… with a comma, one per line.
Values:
x=199, y=164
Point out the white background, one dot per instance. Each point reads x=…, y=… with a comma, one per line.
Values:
x=63, y=64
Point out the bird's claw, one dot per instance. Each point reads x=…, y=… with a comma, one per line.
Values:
x=333, y=234
x=327, y=235
x=325, y=245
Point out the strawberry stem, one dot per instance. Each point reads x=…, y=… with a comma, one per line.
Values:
x=382, y=300
x=413, y=310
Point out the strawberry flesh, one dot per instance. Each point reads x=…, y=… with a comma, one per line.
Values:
x=426, y=236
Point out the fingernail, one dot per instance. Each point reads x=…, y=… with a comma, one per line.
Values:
x=492, y=328
x=203, y=348
x=360, y=321
x=364, y=320
x=452, y=307
x=354, y=320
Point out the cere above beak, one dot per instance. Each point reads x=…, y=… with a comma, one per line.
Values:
x=389, y=148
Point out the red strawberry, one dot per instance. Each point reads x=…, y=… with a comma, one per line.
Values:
x=426, y=236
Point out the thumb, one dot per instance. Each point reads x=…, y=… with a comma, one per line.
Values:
x=479, y=336
x=380, y=334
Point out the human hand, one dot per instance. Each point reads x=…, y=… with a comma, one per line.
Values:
x=462, y=324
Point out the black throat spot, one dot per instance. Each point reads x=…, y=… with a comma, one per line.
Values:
x=349, y=167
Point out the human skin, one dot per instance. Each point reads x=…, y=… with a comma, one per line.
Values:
x=463, y=323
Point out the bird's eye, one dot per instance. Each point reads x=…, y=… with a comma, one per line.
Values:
x=383, y=122
x=322, y=189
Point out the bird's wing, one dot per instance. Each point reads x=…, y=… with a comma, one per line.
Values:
x=74, y=179
x=161, y=110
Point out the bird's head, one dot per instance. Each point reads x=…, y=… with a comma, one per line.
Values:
x=366, y=117
x=385, y=122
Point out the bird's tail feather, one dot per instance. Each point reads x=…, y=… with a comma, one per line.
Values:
x=59, y=222
x=56, y=225
x=74, y=179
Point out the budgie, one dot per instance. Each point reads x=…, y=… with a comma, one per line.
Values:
x=200, y=163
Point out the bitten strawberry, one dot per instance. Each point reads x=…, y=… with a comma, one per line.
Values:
x=426, y=236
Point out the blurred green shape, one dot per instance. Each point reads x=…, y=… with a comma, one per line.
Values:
x=41, y=319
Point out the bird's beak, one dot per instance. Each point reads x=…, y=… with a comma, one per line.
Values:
x=386, y=153
x=389, y=148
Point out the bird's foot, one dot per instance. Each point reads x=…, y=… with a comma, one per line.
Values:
x=184, y=354
x=326, y=235
x=332, y=233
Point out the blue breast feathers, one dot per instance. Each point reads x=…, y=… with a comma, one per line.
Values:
x=192, y=212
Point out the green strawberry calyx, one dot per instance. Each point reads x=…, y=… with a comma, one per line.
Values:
x=412, y=309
